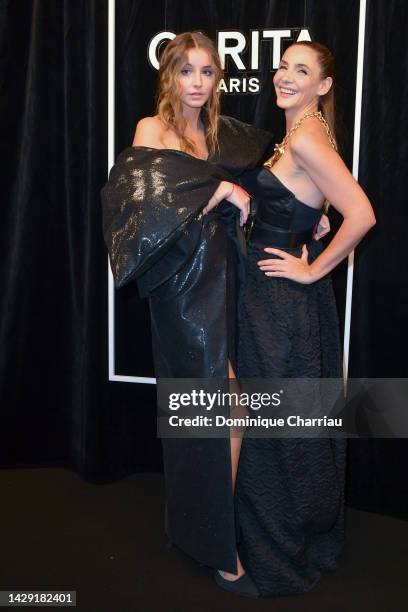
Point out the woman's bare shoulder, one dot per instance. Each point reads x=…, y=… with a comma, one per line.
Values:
x=311, y=132
x=311, y=143
x=149, y=133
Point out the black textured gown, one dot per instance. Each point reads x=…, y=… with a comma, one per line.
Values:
x=289, y=492
x=186, y=264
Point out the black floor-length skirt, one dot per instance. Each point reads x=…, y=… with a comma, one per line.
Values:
x=290, y=492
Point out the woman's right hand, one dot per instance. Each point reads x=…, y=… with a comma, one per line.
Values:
x=234, y=194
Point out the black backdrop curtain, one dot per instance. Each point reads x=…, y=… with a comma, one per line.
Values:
x=57, y=406
x=379, y=331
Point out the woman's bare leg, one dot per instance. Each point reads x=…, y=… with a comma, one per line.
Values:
x=236, y=438
x=236, y=442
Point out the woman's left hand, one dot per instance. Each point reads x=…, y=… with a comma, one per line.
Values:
x=295, y=268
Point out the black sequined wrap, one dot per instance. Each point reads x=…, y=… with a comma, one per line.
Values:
x=188, y=265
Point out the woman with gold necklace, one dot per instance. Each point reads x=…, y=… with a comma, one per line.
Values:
x=290, y=492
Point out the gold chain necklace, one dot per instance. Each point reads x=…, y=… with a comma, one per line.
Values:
x=280, y=148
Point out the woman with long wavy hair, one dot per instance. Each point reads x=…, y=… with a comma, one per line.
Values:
x=186, y=259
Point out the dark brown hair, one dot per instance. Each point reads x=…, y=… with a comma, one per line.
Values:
x=327, y=103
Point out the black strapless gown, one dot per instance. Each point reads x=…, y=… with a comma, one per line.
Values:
x=289, y=492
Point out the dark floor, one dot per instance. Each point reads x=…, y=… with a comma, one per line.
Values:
x=107, y=543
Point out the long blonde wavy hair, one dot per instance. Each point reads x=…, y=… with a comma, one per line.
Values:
x=169, y=107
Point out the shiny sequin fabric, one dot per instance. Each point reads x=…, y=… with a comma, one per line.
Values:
x=185, y=263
